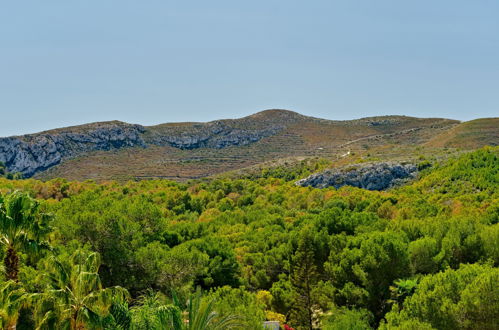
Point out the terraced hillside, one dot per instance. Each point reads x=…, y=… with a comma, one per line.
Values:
x=183, y=151
x=469, y=135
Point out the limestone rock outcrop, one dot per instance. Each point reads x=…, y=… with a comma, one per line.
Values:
x=371, y=176
x=29, y=154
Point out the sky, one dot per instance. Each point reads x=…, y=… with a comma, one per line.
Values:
x=66, y=62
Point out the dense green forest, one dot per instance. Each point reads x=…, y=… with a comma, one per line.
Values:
x=232, y=253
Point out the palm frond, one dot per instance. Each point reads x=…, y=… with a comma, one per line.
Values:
x=76, y=291
x=12, y=298
x=169, y=317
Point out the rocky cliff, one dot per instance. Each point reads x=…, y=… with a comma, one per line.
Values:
x=218, y=134
x=372, y=176
x=29, y=154
x=33, y=153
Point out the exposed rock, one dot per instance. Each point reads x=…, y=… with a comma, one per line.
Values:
x=32, y=153
x=371, y=176
x=217, y=134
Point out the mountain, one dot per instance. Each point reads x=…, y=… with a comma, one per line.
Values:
x=182, y=151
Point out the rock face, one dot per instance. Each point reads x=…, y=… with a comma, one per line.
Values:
x=223, y=133
x=372, y=176
x=218, y=134
x=32, y=153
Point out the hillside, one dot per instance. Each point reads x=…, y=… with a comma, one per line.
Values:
x=183, y=151
x=469, y=135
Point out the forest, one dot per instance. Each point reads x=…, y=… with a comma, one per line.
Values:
x=232, y=253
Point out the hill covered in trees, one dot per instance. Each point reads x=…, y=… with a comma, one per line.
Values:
x=237, y=250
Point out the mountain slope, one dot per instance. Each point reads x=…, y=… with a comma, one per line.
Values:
x=181, y=151
x=469, y=135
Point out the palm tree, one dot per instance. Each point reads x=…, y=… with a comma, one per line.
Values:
x=121, y=316
x=152, y=313
x=402, y=289
x=202, y=315
x=22, y=228
x=75, y=298
x=12, y=298
x=199, y=315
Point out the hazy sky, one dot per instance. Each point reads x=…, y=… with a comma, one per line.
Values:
x=70, y=62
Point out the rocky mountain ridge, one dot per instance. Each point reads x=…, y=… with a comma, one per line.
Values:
x=182, y=151
x=33, y=153
x=36, y=152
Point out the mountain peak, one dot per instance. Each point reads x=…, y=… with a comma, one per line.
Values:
x=276, y=114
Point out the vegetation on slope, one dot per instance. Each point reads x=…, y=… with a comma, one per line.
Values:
x=4, y=173
x=469, y=135
x=422, y=256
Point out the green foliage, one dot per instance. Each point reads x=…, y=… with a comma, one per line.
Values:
x=402, y=289
x=152, y=313
x=75, y=297
x=472, y=172
x=9, y=175
x=222, y=268
x=238, y=301
x=282, y=295
x=364, y=268
x=343, y=318
x=423, y=253
x=12, y=298
x=422, y=256
x=303, y=278
x=466, y=298
x=121, y=317
x=290, y=172
x=23, y=228
x=202, y=315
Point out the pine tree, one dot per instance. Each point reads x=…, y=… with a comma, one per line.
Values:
x=303, y=277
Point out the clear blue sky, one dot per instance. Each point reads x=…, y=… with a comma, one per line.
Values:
x=70, y=62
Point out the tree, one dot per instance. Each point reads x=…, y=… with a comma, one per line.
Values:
x=75, y=298
x=466, y=298
x=365, y=267
x=249, y=307
x=153, y=314
x=12, y=298
x=402, y=289
x=303, y=277
x=170, y=269
x=121, y=316
x=422, y=253
x=22, y=228
x=222, y=268
x=351, y=319
x=200, y=313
